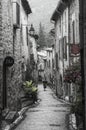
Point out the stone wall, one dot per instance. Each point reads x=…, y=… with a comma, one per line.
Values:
x=64, y=27
x=11, y=47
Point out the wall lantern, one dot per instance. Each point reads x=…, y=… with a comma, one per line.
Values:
x=32, y=30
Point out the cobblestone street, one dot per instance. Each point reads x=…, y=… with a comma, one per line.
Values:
x=48, y=114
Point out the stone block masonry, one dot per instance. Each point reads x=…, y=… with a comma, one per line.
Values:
x=10, y=47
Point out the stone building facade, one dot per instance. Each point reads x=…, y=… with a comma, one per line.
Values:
x=60, y=17
x=74, y=30
x=11, y=45
x=6, y=41
x=48, y=67
x=66, y=18
x=74, y=37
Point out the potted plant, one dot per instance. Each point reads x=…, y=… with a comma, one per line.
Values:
x=30, y=89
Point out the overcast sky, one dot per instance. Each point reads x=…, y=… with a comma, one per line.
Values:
x=42, y=11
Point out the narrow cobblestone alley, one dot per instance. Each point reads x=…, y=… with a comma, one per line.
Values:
x=48, y=114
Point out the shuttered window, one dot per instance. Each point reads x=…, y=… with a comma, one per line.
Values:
x=16, y=14
x=27, y=35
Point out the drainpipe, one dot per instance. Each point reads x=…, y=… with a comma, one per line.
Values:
x=4, y=86
x=8, y=62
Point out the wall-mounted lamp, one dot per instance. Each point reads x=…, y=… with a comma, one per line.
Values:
x=32, y=30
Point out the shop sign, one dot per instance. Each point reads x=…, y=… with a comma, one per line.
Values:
x=74, y=49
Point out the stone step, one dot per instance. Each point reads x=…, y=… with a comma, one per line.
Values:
x=11, y=116
x=25, y=99
x=27, y=103
x=5, y=112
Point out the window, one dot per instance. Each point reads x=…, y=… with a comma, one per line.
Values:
x=40, y=67
x=27, y=35
x=49, y=53
x=60, y=25
x=49, y=63
x=14, y=39
x=73, y=28
x=16, y=14
x=45, y=63
x=61, y=49
x=21, y=34
x=65, y=23
x=56, y=57
x=53, y=63
x=65, y=47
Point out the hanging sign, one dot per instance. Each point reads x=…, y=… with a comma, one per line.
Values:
x=9, y=61
x=74, y=49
